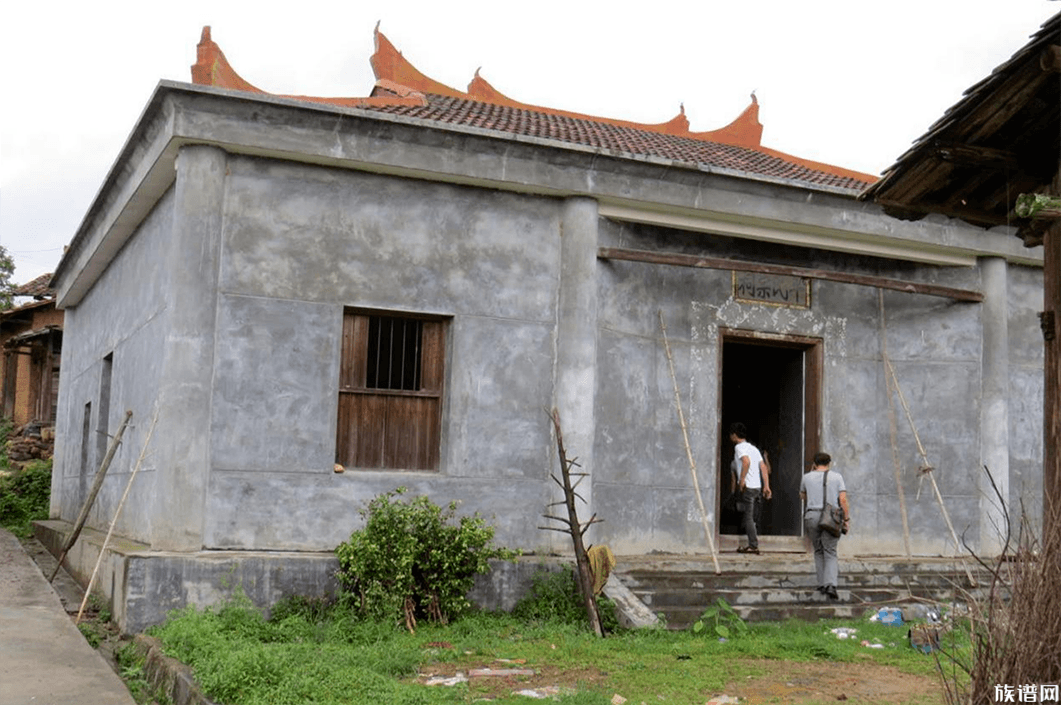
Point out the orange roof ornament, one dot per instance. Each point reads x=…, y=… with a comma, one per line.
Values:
x=211, y=68
x=400, y=84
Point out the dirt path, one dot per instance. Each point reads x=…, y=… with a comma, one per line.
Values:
x=785, y=682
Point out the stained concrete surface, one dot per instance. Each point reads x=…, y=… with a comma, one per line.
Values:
x=44, y=659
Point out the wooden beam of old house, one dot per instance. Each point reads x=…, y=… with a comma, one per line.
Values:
x=974, y=216
x=1050, y=59
x=683, y=260
x=974, y=155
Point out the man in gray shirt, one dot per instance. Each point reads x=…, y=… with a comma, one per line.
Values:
x=819, y=487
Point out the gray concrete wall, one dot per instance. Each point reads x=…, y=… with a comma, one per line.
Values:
x=1025, y=394
x=300, y=244
x=124, y=314
x=642, y=485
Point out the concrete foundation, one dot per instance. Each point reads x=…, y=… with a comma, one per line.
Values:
x=143, y=586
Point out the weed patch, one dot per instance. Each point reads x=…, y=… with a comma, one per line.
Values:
x=329, y=653
x=24, y=496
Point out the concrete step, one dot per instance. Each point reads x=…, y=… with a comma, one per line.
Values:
x=782, y=586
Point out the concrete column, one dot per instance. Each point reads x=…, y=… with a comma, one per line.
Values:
x=576, y=341
x=182, y=437
x=994, y=412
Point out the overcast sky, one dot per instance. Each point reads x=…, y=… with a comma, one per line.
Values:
x=845, y=82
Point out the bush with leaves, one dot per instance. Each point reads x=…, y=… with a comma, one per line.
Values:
x=25, y=496
x=413, y=559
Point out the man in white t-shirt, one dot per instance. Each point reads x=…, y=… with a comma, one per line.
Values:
x=753, y=482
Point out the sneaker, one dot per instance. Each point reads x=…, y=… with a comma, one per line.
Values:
x=748, y=549
x=830, y=590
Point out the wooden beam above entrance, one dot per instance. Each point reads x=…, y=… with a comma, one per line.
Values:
x=684, y=260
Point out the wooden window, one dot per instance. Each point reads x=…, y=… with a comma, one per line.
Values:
x=390, y=391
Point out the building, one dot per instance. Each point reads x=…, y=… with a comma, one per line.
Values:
x=307, y=302
x=32, y=337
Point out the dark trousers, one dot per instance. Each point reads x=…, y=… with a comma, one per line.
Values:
x=750, y=500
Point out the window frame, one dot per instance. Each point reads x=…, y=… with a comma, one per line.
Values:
x=384, y=428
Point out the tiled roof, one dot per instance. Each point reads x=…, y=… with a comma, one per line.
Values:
x=401, y=89
x=619, y=140
x=37, y=288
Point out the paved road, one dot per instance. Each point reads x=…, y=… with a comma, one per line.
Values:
x=44, y=660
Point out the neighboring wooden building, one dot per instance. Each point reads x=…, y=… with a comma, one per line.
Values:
x=1001, y=140
x=31, y=336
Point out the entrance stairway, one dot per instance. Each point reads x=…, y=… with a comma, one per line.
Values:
x=782, y=585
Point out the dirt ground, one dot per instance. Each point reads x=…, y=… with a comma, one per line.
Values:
x=786, y=682
x=821, y=682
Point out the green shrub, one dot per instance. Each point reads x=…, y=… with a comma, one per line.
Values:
x=722, y=619
x=24, y=496
x=414, y=560
x=554, y=597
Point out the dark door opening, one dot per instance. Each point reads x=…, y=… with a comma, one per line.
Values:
x=770, y=387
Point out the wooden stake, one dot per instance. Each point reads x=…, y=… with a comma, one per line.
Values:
x=117, y=512
x=688, y=450
x=893, y=428
x=97, y=484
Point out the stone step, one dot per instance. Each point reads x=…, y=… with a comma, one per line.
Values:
x=659, y=580
x=777, y=587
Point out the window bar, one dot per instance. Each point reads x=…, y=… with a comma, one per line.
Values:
x=403, y=383
x=390, y=353
x=374, y=322
x=418, y=360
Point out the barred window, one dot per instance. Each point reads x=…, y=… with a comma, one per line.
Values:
x=390, y=391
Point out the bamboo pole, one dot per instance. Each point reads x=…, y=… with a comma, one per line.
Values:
x=893, y=428
x=688, y=450
x=927, y=468
x=117, y=512
x=97, y=484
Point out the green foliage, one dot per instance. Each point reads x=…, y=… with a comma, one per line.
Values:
x=722, y=619
x=240, y=658
x=6, y=427
x=24, y=496
x=7, y=268
x=554, y=598
x=412, y=561
x=1030, y=205
x=312, y=609
x=131, y=662
x=91, y=632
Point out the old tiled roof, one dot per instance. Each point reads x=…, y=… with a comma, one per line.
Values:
x=37, y=288
x=402, y=90
x=622, y=140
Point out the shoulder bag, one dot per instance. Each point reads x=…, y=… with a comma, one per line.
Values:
x=831, y=518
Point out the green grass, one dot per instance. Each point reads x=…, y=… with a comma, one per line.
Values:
x=330, y=656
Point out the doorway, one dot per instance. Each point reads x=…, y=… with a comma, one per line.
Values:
x=772, y=385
